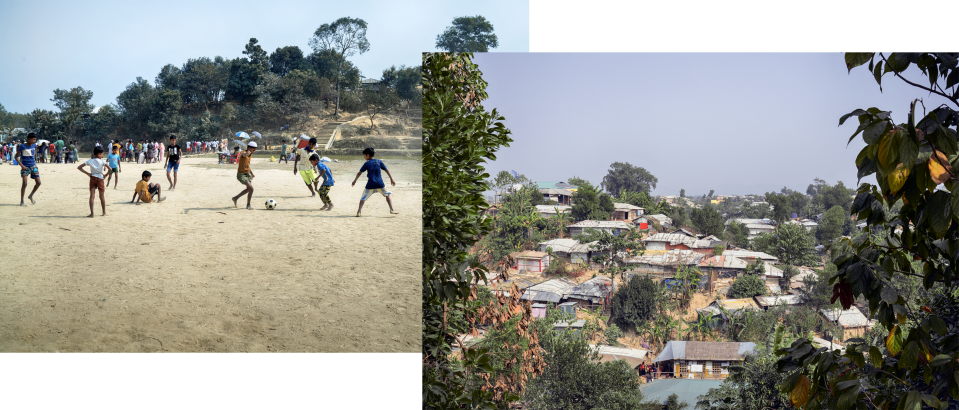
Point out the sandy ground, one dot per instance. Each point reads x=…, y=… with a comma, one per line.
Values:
x=193, y=274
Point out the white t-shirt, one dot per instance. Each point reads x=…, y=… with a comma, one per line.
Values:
x=304, y=164
x=96, y=166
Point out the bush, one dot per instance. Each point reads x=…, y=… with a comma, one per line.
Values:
x=350, y=102
x=747, y=286
x=635, y=302
x=611, y=334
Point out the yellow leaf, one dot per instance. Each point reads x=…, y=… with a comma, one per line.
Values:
x=800, y=394
x=897, y=178
x=894, y=341
x=939, y=172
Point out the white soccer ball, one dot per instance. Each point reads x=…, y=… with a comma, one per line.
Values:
x=270, y=204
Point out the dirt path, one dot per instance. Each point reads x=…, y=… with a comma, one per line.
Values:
x=194, y=274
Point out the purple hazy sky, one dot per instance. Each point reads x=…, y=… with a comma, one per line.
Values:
x=103, y=46
x=735, y=123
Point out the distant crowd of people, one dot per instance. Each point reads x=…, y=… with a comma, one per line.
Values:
x=59, y=152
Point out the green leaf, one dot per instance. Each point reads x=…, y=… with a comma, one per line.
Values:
x=938, y=325
x=940, y=360
x=889, y=294
x=876, y=129
x=854, y=60
x=857, y=112
x=911, y=401
x=939, y=210
x=848, y=397
x=931, y=400
x=908, y=152
x=894, y=340
x=877, y=73
x=888, y=151
x=910, y=356
x=875, y=356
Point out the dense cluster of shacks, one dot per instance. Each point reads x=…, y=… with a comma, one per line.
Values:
x=668, y=249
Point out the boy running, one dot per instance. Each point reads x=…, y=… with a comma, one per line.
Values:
x=374, y=182
x=25, y=156
x=327, y=176
x=172, y=161
x=114, y=160
x=283, y=154
x=146, y=191
x=97, y=164
x=302, y=163
x=245, y=175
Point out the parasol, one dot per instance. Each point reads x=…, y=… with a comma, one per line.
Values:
x=242, y=134
x=256, y=134
x=41, y=142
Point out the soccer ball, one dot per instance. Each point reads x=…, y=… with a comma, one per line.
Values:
x=270, y=204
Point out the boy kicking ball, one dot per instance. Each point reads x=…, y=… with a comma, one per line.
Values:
x=97, y=164
x=146, y=191
x=327, y=175
x=26, y=157
x=374, y=181
x=245, y=175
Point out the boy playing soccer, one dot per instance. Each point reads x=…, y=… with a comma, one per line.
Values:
x=245, y=175
x=97, y=165
x=25, y=156
x=114, y=160
x=327, y=175
x=374, y=182
x=302, y=163
x=146, y=191
x=172, y=161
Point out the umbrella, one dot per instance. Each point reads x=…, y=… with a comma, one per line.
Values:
x=242, y=134
x=39, y=142
x=256, y=134
x=241, y=143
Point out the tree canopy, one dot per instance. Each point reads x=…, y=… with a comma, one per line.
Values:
x=590, y=204
x=623, y=176
x=472, y=34
x=707, y=221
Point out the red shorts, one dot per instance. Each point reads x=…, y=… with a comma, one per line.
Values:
x=96, y=183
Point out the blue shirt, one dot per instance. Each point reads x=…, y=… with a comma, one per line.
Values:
x=112, y=159
x=27, y=153
x=372, y=168
x=325, y=173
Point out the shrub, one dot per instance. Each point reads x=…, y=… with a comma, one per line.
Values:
x=611, y=334
x=747, y=286
x=635, y=302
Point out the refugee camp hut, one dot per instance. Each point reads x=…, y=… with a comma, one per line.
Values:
x=561, y=196
x=551, y=291
x=796, y=282
x=772, y=276
x=752, y=256
x=568, y=308
x=613, y=227
x=852, y=321
x=570, y=249
x=635, y=358
x=539, y=310
x=663, y=220
x=575, y=326
x=642, y=223
x=552, y=210
x=594, y=292
x=522, y=283
x=766, y=302
x=625, y=212
x=664, y=264
x=733, y=307
x=701, y=360
x=721, y=267
x=530, y=261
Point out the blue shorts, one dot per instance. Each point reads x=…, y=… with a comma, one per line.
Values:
x=33, y=171
x=368, y=192
x=172, y=165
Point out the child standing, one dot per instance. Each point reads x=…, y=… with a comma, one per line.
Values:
x=25, y=156
x=327, y=175
x=97, y=164
x=146, y=191
x=283, y=154
x=374, y=181
x=172, y=161
x=114, y=160
x=245, y=175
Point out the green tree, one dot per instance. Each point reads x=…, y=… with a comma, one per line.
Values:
x=376, y=102
x=682, y=193
x=136, y=107
x=588, y=204
x=244, y=77
x=799, y=203
x=635, y=302
x=169, y=77
x=830, y=227
x=577, y=181
x=707, y=220
x=623, y=176
x=752, y=385
x=830, y=196
x=343, y=38
x=286, y=59
x=453, y=186
x=165, y=112
x=780, y=206
x=611, y=334
x=737, y=233
x=407, y=85
x=514, y=228
x=710, y=193
x=615, y=250
x=791, y=243
x=673, y=403
x=472, y=34
x=74, y=105
x=747, y=286
x=914, y=366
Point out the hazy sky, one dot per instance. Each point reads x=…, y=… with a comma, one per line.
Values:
x=104, y=46
x=736, y=123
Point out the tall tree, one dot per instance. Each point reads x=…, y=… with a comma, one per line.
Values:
x=468, y=34
x=710, y=193
x=286, y=59
x=377, y=102
x=737, y=233
x=136, y=106
x=791, y=243
x=343, y=38
x=576, y=181
x=707, y=220
x=169, y=77
x=780, y=206
x=165, y=112
x=682, y=193
x=830, y=227
x=622, y=175
x=589, y=204
x=752, y=385
x=74, y=105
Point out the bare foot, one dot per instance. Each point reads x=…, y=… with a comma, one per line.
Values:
x=31, y=200
x=234, y=201
x=314, y=194
x=104, y=215
x=393, y=212
x=90, y=216
x=22, y=204
x=161, y=199
x=249, y=207
x=358, y=215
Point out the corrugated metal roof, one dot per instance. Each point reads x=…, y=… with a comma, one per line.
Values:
x=541, y=296
x=773, y=271
x=677, y=349
x=552, y=290
x=576, y=324
x=528, y=255
x=521, y=283
x=752, y=255
x=669, y=258
x=554, y=184
x=847, y=318
x=736, y=304
x=723, y=261
x=747, y=221
x=555, y=191
x=593, y=289
x=558, y=245
x=601, y=224
x=761, y=226
x=553, y=208
x=620, y=351
x=766, y=301
x=686, y=390
x=629, y=207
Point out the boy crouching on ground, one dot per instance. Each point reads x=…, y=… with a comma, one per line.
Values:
x=146, y=191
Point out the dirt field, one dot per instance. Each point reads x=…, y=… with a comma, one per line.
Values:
x=193, y=274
